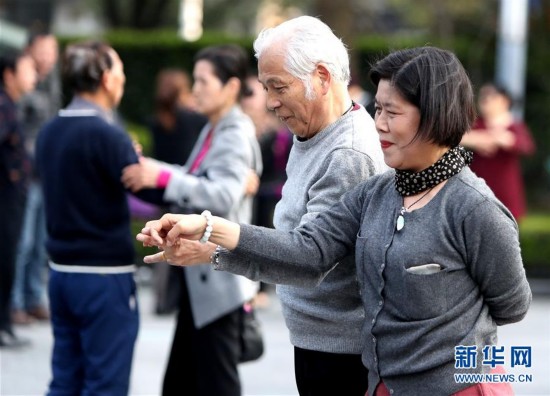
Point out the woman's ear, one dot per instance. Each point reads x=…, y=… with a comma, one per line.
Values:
x=234, y=86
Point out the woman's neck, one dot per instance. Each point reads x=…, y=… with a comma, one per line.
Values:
x=215, y=117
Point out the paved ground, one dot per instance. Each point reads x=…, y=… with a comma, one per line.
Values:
x=26, y=372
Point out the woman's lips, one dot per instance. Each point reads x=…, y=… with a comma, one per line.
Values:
x=385, y=144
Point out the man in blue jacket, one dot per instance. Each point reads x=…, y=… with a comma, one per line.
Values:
x=80, y=155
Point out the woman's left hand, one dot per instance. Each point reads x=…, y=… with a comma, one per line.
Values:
x=183, y=253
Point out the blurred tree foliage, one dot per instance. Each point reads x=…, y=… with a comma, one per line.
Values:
x=370, y=29
x=537, y=104
x=139, y=14
x=446, y=18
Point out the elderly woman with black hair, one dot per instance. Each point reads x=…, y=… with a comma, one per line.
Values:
x=438, y=256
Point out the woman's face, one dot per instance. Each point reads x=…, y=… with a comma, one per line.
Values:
x=212, y=96
x=24, y=76
x=492, y=103
x=397, y=122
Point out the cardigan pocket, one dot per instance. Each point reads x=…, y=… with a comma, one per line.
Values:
x=425, y=269
x=425, y=294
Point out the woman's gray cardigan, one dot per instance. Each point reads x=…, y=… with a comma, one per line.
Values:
x=413, y=322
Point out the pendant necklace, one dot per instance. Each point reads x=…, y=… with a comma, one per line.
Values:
x=349, y=109
x=400, y=219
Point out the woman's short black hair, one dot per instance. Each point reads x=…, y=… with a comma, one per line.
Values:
x=228, y=60
x=433, y=80
x=84, y=64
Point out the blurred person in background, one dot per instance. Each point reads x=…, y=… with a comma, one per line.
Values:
x=498, y=141
x=35, y=109
x=176, y=125
x=175, y=128
x=364, y=97
x=360, y=95
x=80, y=155
x=17, y=78
x=205, y=349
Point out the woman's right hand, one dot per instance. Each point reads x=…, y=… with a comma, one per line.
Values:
x=183, y=253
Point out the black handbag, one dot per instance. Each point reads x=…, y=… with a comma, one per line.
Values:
x=250, y=335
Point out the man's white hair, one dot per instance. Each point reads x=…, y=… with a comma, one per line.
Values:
x=306, y=42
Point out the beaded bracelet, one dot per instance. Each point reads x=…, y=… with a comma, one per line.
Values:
x=208, y=230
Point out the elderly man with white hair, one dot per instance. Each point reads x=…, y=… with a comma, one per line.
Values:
x=304, y=68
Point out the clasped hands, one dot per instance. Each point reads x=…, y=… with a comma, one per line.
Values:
x=177, y=236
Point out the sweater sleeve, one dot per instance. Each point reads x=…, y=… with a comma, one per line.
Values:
x=494, y=258
x=524, y=141
x=327, y=189
x=303, y=256
x=341, y=171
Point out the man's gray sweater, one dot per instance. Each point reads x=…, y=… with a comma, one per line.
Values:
x=320, y=170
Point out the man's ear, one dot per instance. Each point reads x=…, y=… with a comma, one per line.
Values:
x=106, y=80
x=324, y=77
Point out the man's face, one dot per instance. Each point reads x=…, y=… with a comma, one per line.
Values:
x=115, y=80
x=286, y=95
x=45, y=52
